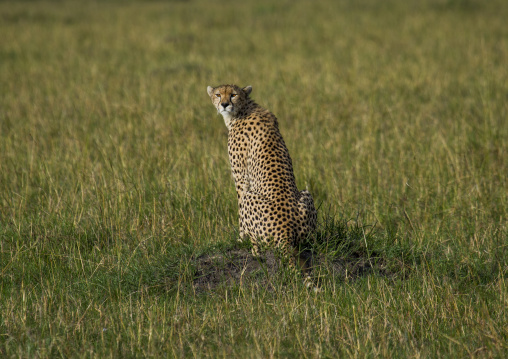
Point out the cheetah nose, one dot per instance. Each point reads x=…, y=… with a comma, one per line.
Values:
x=224, y=104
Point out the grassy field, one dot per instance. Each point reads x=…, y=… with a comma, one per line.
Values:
x=118, y=215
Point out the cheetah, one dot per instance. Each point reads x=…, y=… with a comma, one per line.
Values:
x=272, y=212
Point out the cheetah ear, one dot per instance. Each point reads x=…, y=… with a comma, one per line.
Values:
x=247, y=89
x=209, y=89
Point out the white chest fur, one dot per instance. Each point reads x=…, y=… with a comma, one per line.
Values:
x=227, y=118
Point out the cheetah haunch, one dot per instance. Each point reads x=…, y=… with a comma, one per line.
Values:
x=272, y=211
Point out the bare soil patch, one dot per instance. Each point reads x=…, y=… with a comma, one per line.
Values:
x=239, y=267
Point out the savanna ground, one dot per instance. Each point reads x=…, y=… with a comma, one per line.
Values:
x=118, y=216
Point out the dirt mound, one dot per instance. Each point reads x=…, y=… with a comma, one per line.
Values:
x=236, y=266
x=239, y=267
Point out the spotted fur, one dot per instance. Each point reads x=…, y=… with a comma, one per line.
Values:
x=272, y=211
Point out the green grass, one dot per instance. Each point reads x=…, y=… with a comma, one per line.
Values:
x=114, y=177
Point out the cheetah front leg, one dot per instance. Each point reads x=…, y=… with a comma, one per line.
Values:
x=242, y=187
x=241, y=222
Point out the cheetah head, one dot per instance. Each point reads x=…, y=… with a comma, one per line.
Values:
x=228, y=100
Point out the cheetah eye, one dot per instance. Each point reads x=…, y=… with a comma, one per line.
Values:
x=233, y=95
x=217, y=94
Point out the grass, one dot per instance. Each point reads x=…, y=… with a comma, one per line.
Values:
x=114, y=177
